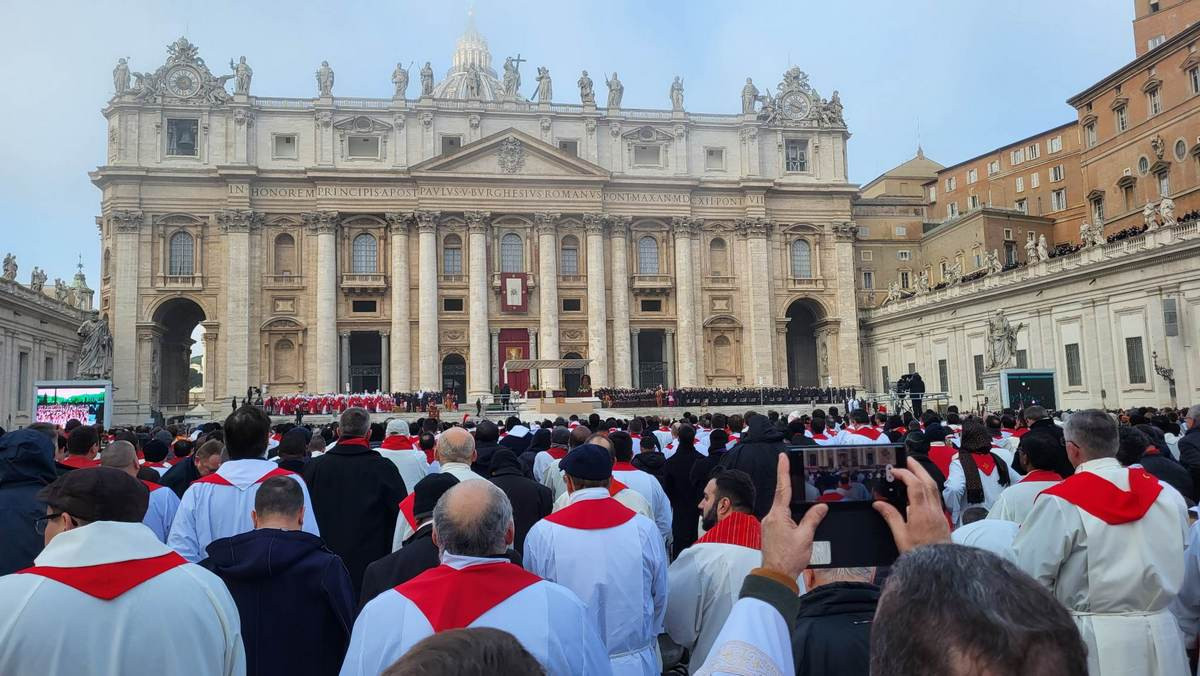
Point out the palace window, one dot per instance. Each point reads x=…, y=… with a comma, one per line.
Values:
x=904, y=255
x=1074, y=369
x=1135, y=361
x=1180, y=149
x=933, y=192
x=452, y=263
x=1020, y=184
x=569, y=147
x=1164, y=184
x=905, y=279
x=972, y=176
x=900, y=231
x=1022, y=206
x=181, y=255
x=1033, y=152
x=993, y=167
x=1098, y=210
x=1054, y=145
x=1143, y=165
x=714, y=159
x=1056, y=173
x=285, y=255
x=568, y=257
x=182, y=137
x=512, y=253
x=364, y=254
x=795, y=155
x=1035, y=179
x=1154, y=101
x=973, y=200
x=1121, y=117
x=284, y=147
x=952, y=210
x=647, y=155
x=801, y=259
x=450, y=143
x=1194, y=79
x=868, y=278
x=951, y=183
x=1022, y=359
x=1016, y=157
x=718, y=257
x=978, y=363
x=647, y=256
x=1058, y=200
x=1089, y=134
x=1130, y=200
x=363, y=147
x=943, y=375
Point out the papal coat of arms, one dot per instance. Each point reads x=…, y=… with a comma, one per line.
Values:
x=511, y=156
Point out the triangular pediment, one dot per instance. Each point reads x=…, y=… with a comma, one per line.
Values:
x=511, y=153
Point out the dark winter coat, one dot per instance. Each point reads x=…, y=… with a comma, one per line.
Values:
x=757, y=454
x=833, y=630
x=356, y=495
x=293, y=596
x=483, y=458
x=26, y=465
x=531, y=501
x=651, y=462
x=1168, y=469
x=1189, y=453
x=418, y=555
x=1047, y=429
x=181, y=475
x=685, y=500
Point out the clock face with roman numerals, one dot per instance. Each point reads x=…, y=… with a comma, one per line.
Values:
x=795, y=105
x=183, y=82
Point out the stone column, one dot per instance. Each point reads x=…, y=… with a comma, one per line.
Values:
x=669, y=356
x=618, y=236
x=427, y=304
x=211, y=333
x=547, y=233
x=533, y=346
x=495, y=351
x=597, y=305
x=344, y=361
x=400, y=364
x=126, y=228
x=478, y=225
x=685, y=303
x=633, y=343
x=385, y=373
x=236, y=225
x=323, y=224
x=847, y=304
x=758, y=302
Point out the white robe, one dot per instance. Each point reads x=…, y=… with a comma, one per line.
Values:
x=1016, y=501
x=994, y=535
x=649, y=487
x=704, y=584
x=540, y=462
x=211, y=511
x=628, y=497
x=160, y=512
x=955, y=491
x=404, y=529
x=48, y=627
x=620, y=574
x=553, y=479
x=548, y=620
x=1186, y=606
x=1115, y=580
x=411, y=464
x=755, y=640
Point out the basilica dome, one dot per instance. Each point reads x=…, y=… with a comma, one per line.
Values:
x=471, y=76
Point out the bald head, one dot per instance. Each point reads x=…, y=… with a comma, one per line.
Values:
x=473, y=518
x=120, y=455
x=579, y=436
x=456, y=445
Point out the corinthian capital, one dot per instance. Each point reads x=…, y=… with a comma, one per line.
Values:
x=399, y=221
x=126, y=221
x=478, y=222
x=320, y=221
x=685, y=226
x=546, y=222
x=427, y=221
x=594, y=224
x=618, y=226
x=754, y=227
x=845, y=231
x=239, y=220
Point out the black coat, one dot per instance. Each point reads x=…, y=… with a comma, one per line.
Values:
x=181, y=475
x=685, y=500
x=833, y=630
x=1189, y=453
x=651, y=462
x=1046, y=428
x=293, y=596
x=757, y=454
x=1168, y=469
x=531, y=501
x=935, y=472
x=483, y=458
x=418, y=555
x=356, y=495
x=26, y=465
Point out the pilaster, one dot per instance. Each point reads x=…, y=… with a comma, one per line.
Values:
x=323, y=225
x=236, y=224
x=758, y=302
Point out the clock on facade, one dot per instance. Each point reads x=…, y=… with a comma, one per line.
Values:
x=183, y=81
x=795, y=105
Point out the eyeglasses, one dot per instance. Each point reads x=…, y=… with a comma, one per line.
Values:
x=39, y=524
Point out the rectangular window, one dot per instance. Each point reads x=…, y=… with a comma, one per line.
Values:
x=1021, y=206
x=1008, y=235
x=1127, y=191
x=864, y=231
x=951, y=183
x=972, y=176
x=1194, y=79
x=1020, y=184
x=452, y=305
x=952, y=210
x=993, y=167
x=1170, y=318
x=1121, y=119
x=48, y=368
x=1155, y=41
x=1054, y=145
x=284, y=147
x=933, y=193
x=1074, y=371
x=886, y=383
x=1034, y=151
x=900, y=231
x=651, y=306
x=1154, y=101
x=568, y=261
x=450, y=143
x=714, y=159
x=1098, y=210
x=1035, y=180
x=1058, y=200
x=363, y=147
x=569, y=147
x=943, y=376
x=973, y=200
x=978, y=359
x=363, y=306
x=905, y=279
x=796, y=155
x=1135, y=360
x=1016, y=157
x=1022, y=359
x=452, y=261
x=904, y=255
x=868, y=279
x=1010, y=253
x=647, y=155
x=868, y=256
x=1089, y=134
x=182, y=137
x=1164, y=184
x=1056, y=173
x=572, y=305
x=23, y=391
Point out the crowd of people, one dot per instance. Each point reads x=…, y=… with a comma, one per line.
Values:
x=1032, y=542
x=660, y=397
x=301, y=404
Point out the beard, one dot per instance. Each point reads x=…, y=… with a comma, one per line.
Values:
x=708, y=519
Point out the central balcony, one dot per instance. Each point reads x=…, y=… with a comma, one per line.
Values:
x=364, y=284
x=652, y=285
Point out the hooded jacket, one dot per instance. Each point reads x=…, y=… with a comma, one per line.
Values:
x=681, y=489
x=650, y=462
x=26, y=465
x=757, y=454
x=540, y=442
x=531, y=501
x=294, y=598
x=833, y=629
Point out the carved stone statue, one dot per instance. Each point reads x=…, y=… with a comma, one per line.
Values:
x=545, y=89
x=10, y=267
x=616, y=90
x=587, y=94
x=242, y=74
x=994, y=264
x=1031, y=254
x=832, y=110
x=474, y=82
x=677, y=94
x=922, y=283
x=1166, y=212
x=95, y=354
x=325, y=80
x=1085, y=234
x=121, y=77
x=400, y=79
x=1002, y=341
x=60, y=290
x=1098, y=238
x=1150, y=216
x=892, y=294
x=953, y=272
x=1158, y=145
x=512, y=78
x=1042, y=248
x=426, y=80
x=37, y=279
x=749, y=97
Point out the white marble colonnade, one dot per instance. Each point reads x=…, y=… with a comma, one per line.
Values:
x=428, y=369
x=546, y=226
x=685, y=301
x=479, y=360
x=597, y=302
x=401, y=330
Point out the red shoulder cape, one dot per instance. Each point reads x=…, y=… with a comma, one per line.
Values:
x=1102, y=499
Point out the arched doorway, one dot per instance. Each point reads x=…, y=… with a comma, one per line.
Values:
x=802, y=344
x=180, y=353
x=571, y=377
x=454, y=376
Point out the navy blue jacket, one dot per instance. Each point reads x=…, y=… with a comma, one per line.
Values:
x=26, y=465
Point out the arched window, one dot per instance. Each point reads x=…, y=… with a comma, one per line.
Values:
x=364, y=255
x=285, y=360
x=285, y=254
x=512, y=253
x=718, y=257
x=568, y=258
x=452, y=255
x=647, y=256
x=801, y=259
x=181, y=255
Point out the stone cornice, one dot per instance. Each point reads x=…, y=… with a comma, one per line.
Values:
x=239, y=220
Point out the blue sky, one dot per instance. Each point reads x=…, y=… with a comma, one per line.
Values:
x=975, y=73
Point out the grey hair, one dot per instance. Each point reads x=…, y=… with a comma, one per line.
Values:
x=118, y=454
x=1034, y=413
x=948, y=608
x=483, y=533
x=354, y=422
x=1194, y=412
x=1094, y=431
x=450, y=450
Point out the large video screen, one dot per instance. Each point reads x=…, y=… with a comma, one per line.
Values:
x=1029, y=387
x=57, y=405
